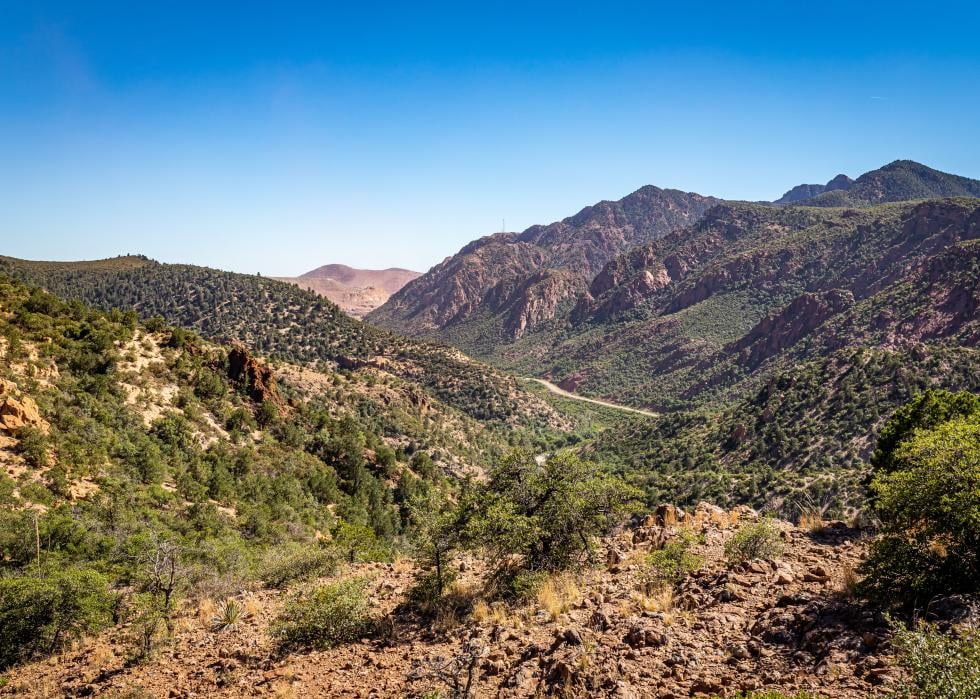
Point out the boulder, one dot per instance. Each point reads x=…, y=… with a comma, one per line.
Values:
x=18, y=413
x=706, y=513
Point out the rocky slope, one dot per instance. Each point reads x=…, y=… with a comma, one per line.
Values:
x=788, y=624
x=356, y=291
x=504, y=285
x=752, y=287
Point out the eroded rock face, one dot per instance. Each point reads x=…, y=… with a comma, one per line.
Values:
x=18, y=413
x=257, y=378
x=523, y=277
x=786, y=327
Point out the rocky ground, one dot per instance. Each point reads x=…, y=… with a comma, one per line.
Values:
x=788, y=624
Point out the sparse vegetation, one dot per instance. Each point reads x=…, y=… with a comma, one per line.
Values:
x=669, y=565
x=760, y=539
x=323, y=617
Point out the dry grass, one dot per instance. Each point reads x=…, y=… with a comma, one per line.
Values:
x=283, y=690
x=660, y=601
x=100, y=656
x=846, y=582
x=206, y=611
x=811, y=519
x=496, y=614
x=251, y=606
x=558, y=595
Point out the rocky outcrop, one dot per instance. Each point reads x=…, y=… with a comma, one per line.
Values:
x=784, y=328
x=537, y=300
x=17, y=413
x=255, y=377
x=520, y=279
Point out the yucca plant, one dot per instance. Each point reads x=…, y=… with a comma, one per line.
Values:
x=228, y=617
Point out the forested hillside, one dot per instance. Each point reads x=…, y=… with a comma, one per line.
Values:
x=282, y=321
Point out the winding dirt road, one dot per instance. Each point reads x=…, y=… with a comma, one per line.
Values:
x=567, y=394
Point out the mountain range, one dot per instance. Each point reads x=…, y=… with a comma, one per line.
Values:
x=773, y=338
x=356, y=291
x=723, y=313
x=503, y=286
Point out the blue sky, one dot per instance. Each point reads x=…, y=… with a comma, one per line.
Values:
x=276, y=137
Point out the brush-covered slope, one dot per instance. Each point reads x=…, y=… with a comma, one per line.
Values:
x=285, y=322
x=507, y=284
x=901, y=180
x=118, y=436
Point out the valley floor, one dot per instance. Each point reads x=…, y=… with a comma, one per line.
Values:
x=558, y=390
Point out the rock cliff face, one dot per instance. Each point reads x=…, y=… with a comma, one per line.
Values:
x=254, y=376
x=521, y=280
x=786, y=327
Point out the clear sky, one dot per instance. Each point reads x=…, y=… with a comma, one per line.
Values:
x=279, y=136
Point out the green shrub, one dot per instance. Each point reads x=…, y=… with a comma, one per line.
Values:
x=326, y=617
x=754, y=540
x=283, y=566
x=547, y=514
x=927, y=496
x=939, y=665
x=524, y=585
x=34, y=446
x=669, y=565
x=41, y=615
x=429, y=587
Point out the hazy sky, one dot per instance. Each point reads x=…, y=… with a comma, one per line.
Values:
x=279, y=136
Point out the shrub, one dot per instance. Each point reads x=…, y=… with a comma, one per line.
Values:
x=326, y=617
x=33, y=445
x=547, y=514
x=754, y=540
x=41, y=615
x=429, y=587
x=669, y=565
x=284, y=566
x=939, y=666
x=928, y=501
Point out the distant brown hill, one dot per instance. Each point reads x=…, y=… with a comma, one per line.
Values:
x=357, y=291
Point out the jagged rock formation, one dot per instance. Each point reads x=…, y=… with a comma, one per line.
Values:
x=749, y=284
x=502, y=288
x=515, y=283
x=256, y=378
